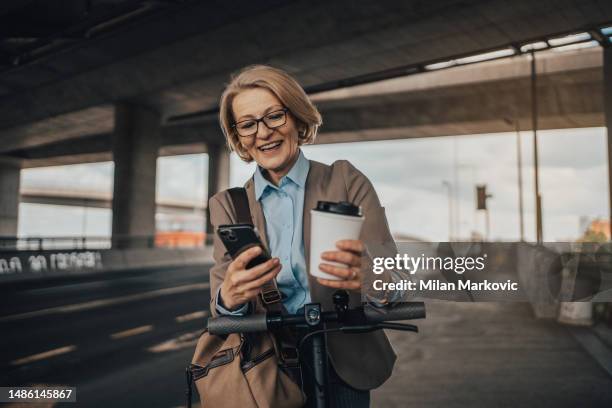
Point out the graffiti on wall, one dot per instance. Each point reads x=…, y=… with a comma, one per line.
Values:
x=49, y=262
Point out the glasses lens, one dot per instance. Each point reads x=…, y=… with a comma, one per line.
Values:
x=246, y=127
x=275, y=119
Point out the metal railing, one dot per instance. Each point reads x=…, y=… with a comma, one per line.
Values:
x=100, y=242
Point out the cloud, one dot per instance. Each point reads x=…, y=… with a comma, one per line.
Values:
x=183, y=178
x=75, y=177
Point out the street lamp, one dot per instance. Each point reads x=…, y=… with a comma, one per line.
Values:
x=519, y=164
x=451, y=232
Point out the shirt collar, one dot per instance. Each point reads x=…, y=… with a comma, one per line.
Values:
x=297, y=174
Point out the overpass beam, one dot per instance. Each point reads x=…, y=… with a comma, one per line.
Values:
x=135, y=143
x=10, y=171
x=607, y=90
x=218, y=175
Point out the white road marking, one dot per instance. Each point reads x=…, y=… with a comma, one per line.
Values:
x=43, y=355
x=192, y=316
x=105, y=302
x=132, y=332
x=183, y=341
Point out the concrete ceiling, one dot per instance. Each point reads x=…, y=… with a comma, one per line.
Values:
x=493, y=96
x=175, y=56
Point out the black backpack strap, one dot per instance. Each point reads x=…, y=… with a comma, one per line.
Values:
x=270, y=295
x=241, y=205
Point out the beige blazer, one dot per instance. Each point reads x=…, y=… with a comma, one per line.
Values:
x=364, y=361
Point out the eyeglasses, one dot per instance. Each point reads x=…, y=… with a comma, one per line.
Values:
x=272, y=120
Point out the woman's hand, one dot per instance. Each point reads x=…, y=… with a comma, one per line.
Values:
x=243, y=285
x=349, y=253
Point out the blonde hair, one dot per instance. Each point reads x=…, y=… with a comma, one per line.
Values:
x=285, y=88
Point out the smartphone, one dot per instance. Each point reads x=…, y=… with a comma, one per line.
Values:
x=237, y=238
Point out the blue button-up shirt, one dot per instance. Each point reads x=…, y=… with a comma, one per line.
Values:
x=283, y=208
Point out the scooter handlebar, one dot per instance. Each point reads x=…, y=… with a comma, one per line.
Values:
x=223, y=325
x=237, y=324
x=398, y=311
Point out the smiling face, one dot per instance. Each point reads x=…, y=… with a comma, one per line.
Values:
x=275, y=150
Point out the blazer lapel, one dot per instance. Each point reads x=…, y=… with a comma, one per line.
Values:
x=257, y=212
x=311, y=196
x=314, y=192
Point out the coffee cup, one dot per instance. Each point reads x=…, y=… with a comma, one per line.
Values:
x=331, y=222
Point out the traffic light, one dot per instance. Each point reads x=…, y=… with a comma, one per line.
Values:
x=481, y=197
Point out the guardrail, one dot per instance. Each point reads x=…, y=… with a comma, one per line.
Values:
x=103, y=242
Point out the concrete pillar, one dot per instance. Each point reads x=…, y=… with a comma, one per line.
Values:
x=9, y=196
x=136, y=140
x=607, y=90
x=218, y=175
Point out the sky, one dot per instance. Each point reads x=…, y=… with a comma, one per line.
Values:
x=408, y=176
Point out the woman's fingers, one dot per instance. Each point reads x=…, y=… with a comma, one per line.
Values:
x=341, y=272
x=350, y=284
x=244, y=291
x=259, y=282
x=349, y=253
x=244, y=258
x=353, y=245
x=248, y=275
x=351, y=277
x=344, y=257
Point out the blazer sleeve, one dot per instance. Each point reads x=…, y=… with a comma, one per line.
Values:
x=375, y=234
x=220, y=211
x=219, y=215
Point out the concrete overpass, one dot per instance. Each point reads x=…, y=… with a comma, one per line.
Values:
x=96, y=199
x=464, y=100
x=139, y=78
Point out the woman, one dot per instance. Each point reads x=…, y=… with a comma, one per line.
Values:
x=266, y=116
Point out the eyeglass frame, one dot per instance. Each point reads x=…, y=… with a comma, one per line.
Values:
x=262, y=120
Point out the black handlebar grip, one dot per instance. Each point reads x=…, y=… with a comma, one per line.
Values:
x=237, y=324
x=397, y=311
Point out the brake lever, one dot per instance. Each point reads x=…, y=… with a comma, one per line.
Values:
x=372, y=327
x=399, y=326
x=366, y=328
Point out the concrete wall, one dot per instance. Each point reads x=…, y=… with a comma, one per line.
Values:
x=23, y=266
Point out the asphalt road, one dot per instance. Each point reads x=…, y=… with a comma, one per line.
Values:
x=122, y=342
x=491, y=354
